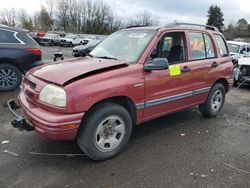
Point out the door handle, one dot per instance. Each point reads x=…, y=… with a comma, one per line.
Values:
x=185, y=69
x=214, y=64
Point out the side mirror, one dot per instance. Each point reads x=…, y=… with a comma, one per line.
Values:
x=156, y=64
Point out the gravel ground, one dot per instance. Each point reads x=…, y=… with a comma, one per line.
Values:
x=180, y=150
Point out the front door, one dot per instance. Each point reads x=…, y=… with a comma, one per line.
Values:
x=165, y=93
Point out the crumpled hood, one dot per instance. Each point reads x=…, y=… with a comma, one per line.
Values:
x=244, y=61
x=65, y=71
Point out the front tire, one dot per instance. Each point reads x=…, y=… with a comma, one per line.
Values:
x=10, y=77
x=215, y=101
x=105, y=132
x=52, y=43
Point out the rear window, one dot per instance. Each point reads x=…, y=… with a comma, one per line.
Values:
x=201, y=45
x=8, y=37
x=222, y=46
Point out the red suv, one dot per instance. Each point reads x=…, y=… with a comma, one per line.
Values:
x=135, y=75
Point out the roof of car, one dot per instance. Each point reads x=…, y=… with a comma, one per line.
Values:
x=175, y=26
x=237, y=43
x=12, y=28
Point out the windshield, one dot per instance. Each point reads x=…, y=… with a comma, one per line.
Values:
x=233, y=48
x=124, y=45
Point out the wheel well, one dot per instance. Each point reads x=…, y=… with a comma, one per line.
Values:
x=12, y=63
x=125, y=102
x=224, y=82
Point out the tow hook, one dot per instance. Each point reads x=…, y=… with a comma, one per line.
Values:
x=20, y=122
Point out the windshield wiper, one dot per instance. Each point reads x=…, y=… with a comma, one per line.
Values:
x=107, y=57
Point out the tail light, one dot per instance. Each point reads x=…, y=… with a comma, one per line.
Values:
x=35, y=51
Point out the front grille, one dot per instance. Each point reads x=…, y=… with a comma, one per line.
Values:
x=63, y=40
x=31, y=84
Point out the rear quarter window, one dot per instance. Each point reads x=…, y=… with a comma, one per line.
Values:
x=8, y=37
x=221, y=43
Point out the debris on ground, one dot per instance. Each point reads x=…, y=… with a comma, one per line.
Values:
x=236, y=168
x=57, y=154
x=183, y=134
x=204, y=176
x=212, y=170
x=11, y=153
x=5, y=142
x=191, y=173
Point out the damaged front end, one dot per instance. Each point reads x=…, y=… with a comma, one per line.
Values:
x=242, y=71
x=20, y=122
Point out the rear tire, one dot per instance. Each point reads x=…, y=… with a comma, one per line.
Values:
x=105, y=131
x=10, y=77
x=215, y=101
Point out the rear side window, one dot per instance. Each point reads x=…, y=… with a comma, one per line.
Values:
x=201, y=46
x=222, y=46
x=197, y=45
x=8, y=37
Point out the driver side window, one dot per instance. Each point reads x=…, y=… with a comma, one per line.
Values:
x=171, y=47
x=243, y=49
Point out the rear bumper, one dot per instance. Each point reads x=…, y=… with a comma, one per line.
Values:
x=45, y=42
x=49, y=125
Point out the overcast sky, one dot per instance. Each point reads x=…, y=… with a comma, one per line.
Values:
x=166, y=10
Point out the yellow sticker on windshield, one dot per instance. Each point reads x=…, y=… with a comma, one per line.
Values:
x=175, y=70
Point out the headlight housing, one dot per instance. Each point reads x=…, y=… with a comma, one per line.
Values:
x=53, y=95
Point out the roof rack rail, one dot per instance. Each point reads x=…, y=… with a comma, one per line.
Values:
x=13, y=28
x=213, y=28
x=131, y=26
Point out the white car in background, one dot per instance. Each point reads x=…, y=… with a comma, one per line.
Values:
x=238, y=49
x=71, y=40
x=242, y=70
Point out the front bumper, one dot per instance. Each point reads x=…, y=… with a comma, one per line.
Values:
x=65, y=43
x=49, y=125
x=76, y=53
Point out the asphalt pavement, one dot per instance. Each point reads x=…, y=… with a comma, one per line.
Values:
x=180, y=150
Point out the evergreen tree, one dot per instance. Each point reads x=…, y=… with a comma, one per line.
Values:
x=215, y=17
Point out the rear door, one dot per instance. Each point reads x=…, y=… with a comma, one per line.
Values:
x=203, y=63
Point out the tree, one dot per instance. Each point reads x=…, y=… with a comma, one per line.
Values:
x=215, y=17
x=45, y=20
x=8, y=17
x=24, y=20
x=144, y=18
x=242, y=24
